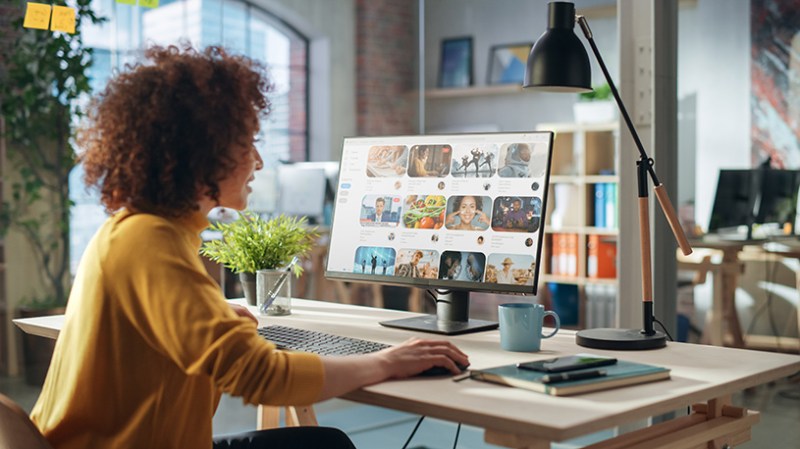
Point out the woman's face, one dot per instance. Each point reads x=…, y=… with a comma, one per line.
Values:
x=467, y=209
x=234, y=188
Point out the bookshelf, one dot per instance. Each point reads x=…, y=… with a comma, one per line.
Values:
x=579, y=254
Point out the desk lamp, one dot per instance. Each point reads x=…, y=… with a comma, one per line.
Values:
x=558, y=62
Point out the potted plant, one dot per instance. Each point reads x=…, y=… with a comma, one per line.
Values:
x=250, y=244
x=596, y=106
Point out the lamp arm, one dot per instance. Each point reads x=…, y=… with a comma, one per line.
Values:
x=661, y=194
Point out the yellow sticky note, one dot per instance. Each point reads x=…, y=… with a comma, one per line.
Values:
x=63, y=19
x=149, y=3
x=37, y=15
x=127, y=2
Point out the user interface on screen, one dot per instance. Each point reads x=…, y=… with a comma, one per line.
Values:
x=450, y=211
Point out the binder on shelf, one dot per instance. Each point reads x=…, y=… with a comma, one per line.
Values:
x=572, y=254
x=600, y=205
x=555, y=254
x=610, y=198
x=565, y=300
x=601, y=306
x=601, y=262
x=563, y=255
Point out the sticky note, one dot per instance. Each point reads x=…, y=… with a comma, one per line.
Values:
x=149, y=3
x=127, y=2
x=37, y=15
x=63, y=19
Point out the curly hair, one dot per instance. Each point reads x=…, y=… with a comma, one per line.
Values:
x=159, y=136
x=457, y=200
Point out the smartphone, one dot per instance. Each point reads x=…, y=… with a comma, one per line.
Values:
x=567, y=363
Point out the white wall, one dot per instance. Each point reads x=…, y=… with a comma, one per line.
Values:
x=722, y=79
x=502, y=22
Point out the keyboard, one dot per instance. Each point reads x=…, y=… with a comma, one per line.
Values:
x=321, y=343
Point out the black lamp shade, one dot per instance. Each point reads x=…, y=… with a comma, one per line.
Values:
x=558, y=62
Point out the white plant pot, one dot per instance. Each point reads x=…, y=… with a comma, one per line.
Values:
x=595, y=111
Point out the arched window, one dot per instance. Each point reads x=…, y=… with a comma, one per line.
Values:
x=235, y=24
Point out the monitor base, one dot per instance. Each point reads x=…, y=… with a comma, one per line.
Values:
x=620, y=339
x=430, y=323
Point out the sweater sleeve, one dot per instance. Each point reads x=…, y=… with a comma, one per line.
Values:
x=180, y=312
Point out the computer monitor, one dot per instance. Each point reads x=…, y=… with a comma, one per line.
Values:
x=776, y=202
x=734, y=202
x=305, y=188
x=762, y=196
x=450, y=213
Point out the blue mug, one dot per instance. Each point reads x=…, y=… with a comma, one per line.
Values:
x=521, y=326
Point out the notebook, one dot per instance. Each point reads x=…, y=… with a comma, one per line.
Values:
x=621, y=374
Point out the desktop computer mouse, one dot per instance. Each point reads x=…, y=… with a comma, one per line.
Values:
x=440, y=371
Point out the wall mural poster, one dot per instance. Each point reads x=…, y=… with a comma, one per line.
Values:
x=775, y=79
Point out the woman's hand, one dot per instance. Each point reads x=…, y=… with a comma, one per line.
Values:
x=414, y=356
x=345, y=374
x=483, y=218
x=243, y=312
x=451, y=218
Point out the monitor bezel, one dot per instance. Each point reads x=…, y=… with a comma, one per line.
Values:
x=444, y=284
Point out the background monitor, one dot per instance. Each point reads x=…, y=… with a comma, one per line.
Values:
x=451, y=213
x=305, y=188
x=776, y=202
x=734, y=201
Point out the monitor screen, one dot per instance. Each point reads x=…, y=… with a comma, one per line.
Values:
x=734, y=201
x=777, y=201
x=305, y=187
x=455, y=212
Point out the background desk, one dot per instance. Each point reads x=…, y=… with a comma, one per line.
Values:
x=722, y=325
x=524, y=419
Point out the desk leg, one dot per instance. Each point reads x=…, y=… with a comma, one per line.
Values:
x=269, y=417
x=730, y=276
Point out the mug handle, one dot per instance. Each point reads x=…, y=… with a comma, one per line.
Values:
x=558, y=323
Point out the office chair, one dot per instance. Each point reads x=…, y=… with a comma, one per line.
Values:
x=16, y=429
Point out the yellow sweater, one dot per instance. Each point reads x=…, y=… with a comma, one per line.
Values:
x=149, y=344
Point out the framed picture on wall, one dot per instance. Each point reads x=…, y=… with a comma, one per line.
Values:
x=455, y=65
x=507, y=63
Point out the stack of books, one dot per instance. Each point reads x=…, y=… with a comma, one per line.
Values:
x=620, y=374
x=605, y=205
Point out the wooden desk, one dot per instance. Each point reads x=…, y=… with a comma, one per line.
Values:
x=524, y=419
x=726, y=278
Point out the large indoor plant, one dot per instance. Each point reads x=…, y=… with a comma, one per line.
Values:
x=251, y=243
x=44, y=77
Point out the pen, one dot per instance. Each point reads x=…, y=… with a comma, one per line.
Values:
x=561, y=377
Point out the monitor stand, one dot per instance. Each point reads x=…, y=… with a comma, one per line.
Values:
x=452, y=317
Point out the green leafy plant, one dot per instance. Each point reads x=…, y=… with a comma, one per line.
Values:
x=42, y=82
x=251, y=243
x=598, y=93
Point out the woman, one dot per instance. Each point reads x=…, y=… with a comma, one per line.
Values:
x=467, y=209
x=149, y=344
x=418, y=162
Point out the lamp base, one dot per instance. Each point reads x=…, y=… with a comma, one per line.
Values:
x=620, y=339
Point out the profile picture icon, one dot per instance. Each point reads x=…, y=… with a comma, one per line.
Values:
x=391, y=236
x=398, y=185
x=435, y=238
x=480, y=240
x=487, y=186
x=535, y=186
x=529, y=242
x=440, y=185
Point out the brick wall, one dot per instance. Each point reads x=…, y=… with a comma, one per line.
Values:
x=298, y=136
x=386, y=61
